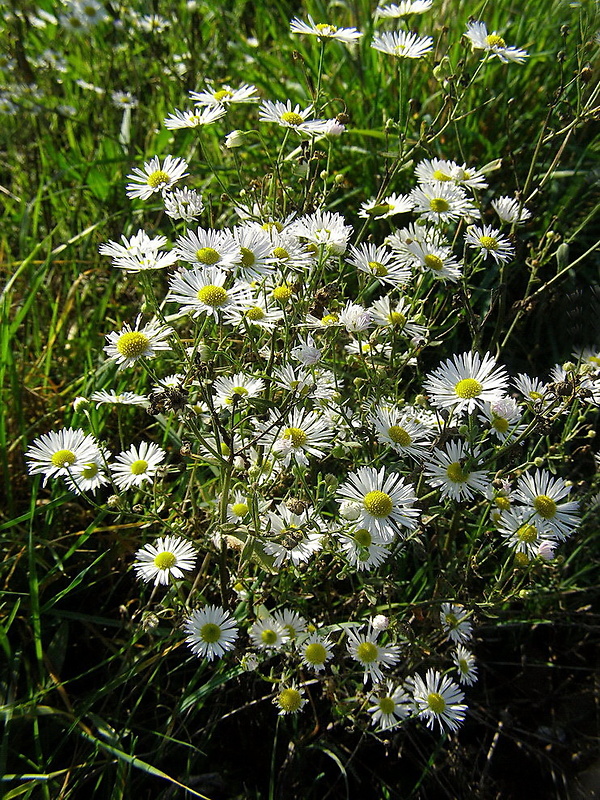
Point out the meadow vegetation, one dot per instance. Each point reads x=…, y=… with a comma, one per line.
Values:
x=300, y=358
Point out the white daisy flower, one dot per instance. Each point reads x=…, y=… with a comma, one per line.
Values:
x=438, y=699
x=233, y=391
x=493, y=44
x=510, y=210
x=293, y=537
x=437, y=169
x=297, y=119
x=208, y=248
x=503, y=417
x=137, y=246
x=300, y=435
x=193, y=119
x=402, y=9
x=130, y=344
x=455, y=622
x=391, y=706
x=533, y=389
x=103, y=397
x=185, y=204
x=137, y=465
x=225, y=95
x=324, y=30
x=290, y=700
x=388, y=207
x=202, y=291
x=379, y=262
x=418, y=231
x=294, y=623
x=442, y=202
x=542, y=494
x=522, y=534
x=155, y=178
x=400, y=432
x=327, y=228
x=465, y=666
x=451, y=470
x=355, y=318
x=490, y=242
x=169, y=557
x=386, y=502
x=268, y=634
x=373, y=657
x=254, y=311
x=363, y=549
x=402, y=44
x=316, y=651
x=369, y=348
x=287, y=253
x=211, y=631
x=466, y=382
x=61, y=452
x=398, y=318
x=255, y=246
x=307, y=353
x=437, y=261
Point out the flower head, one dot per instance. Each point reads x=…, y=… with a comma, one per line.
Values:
x=268, y=634
x=62, y=453
x=402, y=44
x=490, y=242
x=438, y=699
x=455, y=622
x=465, y=666
x=391, y=706
x=290, y=700
x=154, y=177
x=493, y=44
x=466, y=382
x=541, y=493
x=138, y=465
x=324, y=30
x=130, y=344
x=169, y=557
x=373, y=657
x=211, y=631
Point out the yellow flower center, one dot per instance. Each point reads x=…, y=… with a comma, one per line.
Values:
x=255, y=314
x=468, y=388
x=296, y=436
x=282, y=293
x=207, y=255
x=436, y=702
x=500, y=424
x=222, y=94
x=439, y=205
x=545, y=506
x=269, y=636
x=463, y=666
x=281, y=253
x=133, y=344
x=451, y=620
x=379, y=210
x=367, y=652
x=489, y=242
x=63, y=458
x=503, y=503
x=212, y=295
x=378, y=504
x=397, y=319
x=291, y=118
x=362, y=537
x=210, y=632
x=290, y=700
x=527, y=534
x=165, y=560
x=89, y=471
x=378, y=269
x=327, y=30
x=399, y=436
x=438, y=175
x=330, y=319
x=386, y=705
x=158, y=178
x=240, y=509
x=267, y=226
x=248, y=257
x=521, y=559
x=493, y=40
x=433, y=262
x=139, y=467
x=456, y=473
x=315, y=653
